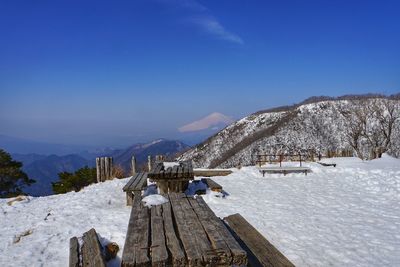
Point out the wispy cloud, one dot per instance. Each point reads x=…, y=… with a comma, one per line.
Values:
x=213, y=27
x=200, y=16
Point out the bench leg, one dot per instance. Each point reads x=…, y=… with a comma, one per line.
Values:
x=129, y=198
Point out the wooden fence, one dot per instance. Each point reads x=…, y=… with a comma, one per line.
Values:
x=104, y=168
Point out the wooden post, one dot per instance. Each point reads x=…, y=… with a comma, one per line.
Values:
x=133, y=165
x=98, y=170
x=106, y=168
x=300, y=159
x=111, y=165
x=102, y=170
x=149, y=162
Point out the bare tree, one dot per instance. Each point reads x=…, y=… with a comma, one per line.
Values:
x=355, y=116
x=370, y=123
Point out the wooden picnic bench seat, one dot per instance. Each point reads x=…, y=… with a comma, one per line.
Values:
x=135, y=185
x=214, y=186
x=259, y=250
x=91, y=251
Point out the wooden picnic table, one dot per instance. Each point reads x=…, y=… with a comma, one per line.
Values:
x=172, y=179
x=182, y=232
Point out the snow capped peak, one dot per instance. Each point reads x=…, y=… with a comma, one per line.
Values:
x=211, y=121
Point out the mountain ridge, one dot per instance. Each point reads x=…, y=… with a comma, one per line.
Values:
x=319, y=124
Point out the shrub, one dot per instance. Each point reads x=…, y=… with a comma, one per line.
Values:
x=74, y=181
x=118, y=172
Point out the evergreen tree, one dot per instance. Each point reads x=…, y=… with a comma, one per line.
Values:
x=12, y=178
x=74, y=181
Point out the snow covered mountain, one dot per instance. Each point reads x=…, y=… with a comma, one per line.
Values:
x=213, y=120
x=317, y=125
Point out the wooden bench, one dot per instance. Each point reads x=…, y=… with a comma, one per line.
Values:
x=181, y=232
x=259, y=250
x=135, y=185
x=211, y=172
x=284, y=170
x=214, y=186
x=91, y=251
x=327, y=164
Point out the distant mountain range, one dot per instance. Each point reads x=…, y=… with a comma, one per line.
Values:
x=141, y=151
x=45, y=169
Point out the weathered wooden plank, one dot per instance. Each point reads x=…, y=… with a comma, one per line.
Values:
x=129, y=252
x=73, y=252
x=219, y=246
x=91, y=250
x=111, y=166
x=128, y=185
x=149, y=163
x=142, y=233
x=102, y=171
x=239, y=256
x=194, y=239
x=173, y=243
x=174, y=172
x=258, y=245
x=136, y=248
x=211, y=172
x=107, y=168
x=155, y=172
x=214, y=186
x=98, y=170
x=133, y=165
x=141, y=183
x=158, y=252
x=136, y=183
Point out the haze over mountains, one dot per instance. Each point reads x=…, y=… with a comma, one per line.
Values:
x=45, y=169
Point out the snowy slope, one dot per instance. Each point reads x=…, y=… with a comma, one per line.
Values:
x=343, y=216
x=317, y=126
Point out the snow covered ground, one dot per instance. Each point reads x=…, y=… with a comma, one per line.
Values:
x=343, y=216
x=99, y=206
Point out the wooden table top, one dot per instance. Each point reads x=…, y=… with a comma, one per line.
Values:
x=182, y=232
x=182, y=171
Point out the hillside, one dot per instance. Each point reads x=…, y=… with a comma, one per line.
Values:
x=315, y=126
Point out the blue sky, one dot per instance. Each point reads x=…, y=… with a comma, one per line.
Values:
x=109, y=72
